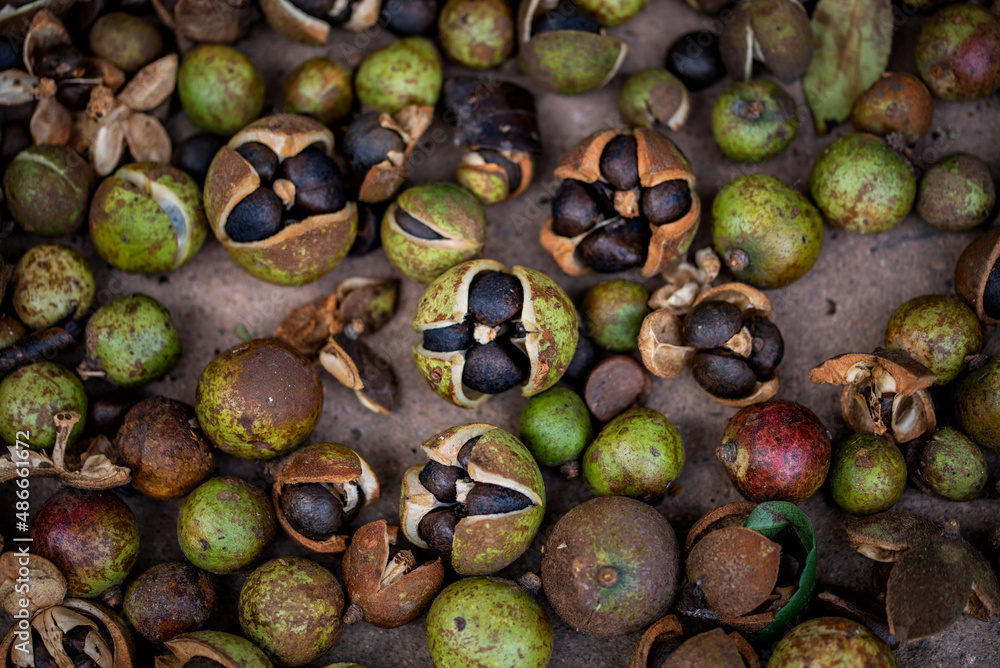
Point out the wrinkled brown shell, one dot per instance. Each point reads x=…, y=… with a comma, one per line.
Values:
x=393, y=605
x=735, y=568
x=710, y=649
x=385, y=179
x=659, y=160
x=731, y=514
x=973, y=270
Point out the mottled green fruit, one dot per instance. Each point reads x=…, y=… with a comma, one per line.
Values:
x=768, y=234
x=404, y=73
x=320, y=88
x=148, y=218
x=487, y=623
x=477, y=33
x=831, y=642
x=131, y=341
x=638, y=454
x=126, y=41
x=219, y=645
x=51, y=283
x=958, y=53
x=291, y=607
x=951, y=466
x=654, y=96
x=224, y=524
x=754, y=121
x=867, y=474
x=555, y=426
x=613, y=12
x=220, y=89
x=570, y=62
x=612, y=314
x=862, y=186
x=938, y=331
x=957, y=193
x=31, y=396
x=48, y=189
x=977, y=404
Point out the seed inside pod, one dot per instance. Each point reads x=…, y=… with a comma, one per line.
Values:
x=723, y=374
x=494, y=297
x=487, y=499
x=493, y=368
x=367, y=143
x=319, y=9
x=447, y=339
x=411, y=225
x=991, y=294
x=768, y=347
x=566, y=17
x=257, y=216
x=440, y=479
x=616, y=247
x=195, y=154
x=512, y=170
x=711, y=323
x=437, y=529
x=312, y=510
x=574, y=209
x=620, y=163
x=666, y=202
x=262, y=159
x=318, y=183
x=465, y=452
x=60, y=61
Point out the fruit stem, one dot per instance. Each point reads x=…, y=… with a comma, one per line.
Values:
x=607, y=576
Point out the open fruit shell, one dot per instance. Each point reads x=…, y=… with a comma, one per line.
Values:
x=973, y=270
x=332, y=464
x=385, y=179
x=291, y=22
x=483, y=544
x=712, y=648
x=224, y=648
x=299, y=253
x=490, y=181
x=659, y=160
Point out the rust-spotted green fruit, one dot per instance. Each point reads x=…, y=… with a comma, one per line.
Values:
x=31, y=396
x=48, y=189
x=51, y=282
x=404, y=73
x=220, y=89
x=127, y=41
x=957, y=193
x=212, y=645
x=753, y=121
x=320, y=88
x=613, y=313
x=477, y=33
x=977, y=404
x=832, y=642
x=867, y=475
x=897, y=102
x=951, y=466
x=958, y=53
x=938, y=331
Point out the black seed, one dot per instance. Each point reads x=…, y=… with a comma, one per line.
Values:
x=10, y=56
x=495, y=297
x=465, y=452
x=695, y=59
x=491, y=369
x=367, y=143
x=437, y=529
x=723, y=374
x=262, y=159
x=604, y=195
x=667, y=202
x=448, y=339
x=517, y=330
x=768, y=347
x=75, y=640
x=414, y=227
x=316, y=8
x=60, y=61
x=584, y=358
x=319, y=187
x=616, y=247
x=440, y=480
x=566, y=17
x=195, y=154
x=256, y=217
x=409, y=17
x=487, y=499
x=312, y=510
x=574, y=210
x=369, y=220
x=512, y=170
x=620, y=163
x=885, y=408
x=203, y=662
x=711, y=323
x=74, y=96
x=991, y=293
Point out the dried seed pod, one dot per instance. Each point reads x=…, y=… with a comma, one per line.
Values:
x=712, y=648
x=775, y=32
x=341, y=472
x=378, y=145
x=383, y=592
x=361, y=369
x=476, y=544
x=735, y=569
x=212, y=649
x=47, y=584
x=611, y=228
x=977, y=275
x=169, y=599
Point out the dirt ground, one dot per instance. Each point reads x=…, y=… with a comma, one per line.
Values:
x=840, y=306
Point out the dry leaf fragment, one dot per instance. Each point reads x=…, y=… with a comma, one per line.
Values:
x=151, y=85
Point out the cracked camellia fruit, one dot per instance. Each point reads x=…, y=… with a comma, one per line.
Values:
x=486, y=330
x=713, y=648
x=211, y=649
x=774, y=32
x=478, y=503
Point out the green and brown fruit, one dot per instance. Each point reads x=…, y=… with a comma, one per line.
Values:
x=477, y=33
x=220, y=89
x=555, y=426
x=831, y=641
x=613, y=312
x=30, y=398
x=957, y=193
x=774, y=32
x=897, y=102
x=320, y=88
x=753, y=121
x=126, y=41
x=48, y=189
x=169, y=599
x=977, y=404
x=937, y=331
x=958, y=53
x=404, y=73
x=210, y=649
x=654, y=96
x=949, y=465
x=50, y=283
x=867, y=474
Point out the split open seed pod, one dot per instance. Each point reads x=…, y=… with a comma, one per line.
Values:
x=659, y=161
x=300, y=252
x=973, y=272
x=338, y=469
x=293, y=23
x=215, y=21
x=383, y=592
x=485, y=515
x=685, y=281
x=384, y=180
x=544, y=330
x=713, y=648
x=358, y=367
x=225, y=649
x=883, y=393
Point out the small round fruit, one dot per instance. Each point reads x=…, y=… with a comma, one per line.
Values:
x=126, y=41
x=225, y=524
x=696, y=60
x=488, y=623
x=92, y=537
x=897, y=102
x=610, y=566
x=977, y=404
x=957, y=193
x=404, y=73
x=320, y=88
x=555, y=426
x=831, y=641
x=776, y=451
x=654, y=96
x=768, y=234
x=290, y=607
x=51, y=283
x=31, y=396
x=958, y=53
x=169, y=599
x=48, y=189
x=477, y=33
x=220, y=89
x=613, y=313
x=755, y=120
x=867, y=475
x=638, y=454
x=938, y=331
x=613, y=12
x=862, y=186
x=951, y=466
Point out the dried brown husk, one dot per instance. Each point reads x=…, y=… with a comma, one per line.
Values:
x=16, y=21
x=216, y=21
x=385, y=179
x=973, y=270
x=152, y=85
x=358, y=367
x=366, y=304
x=47, y=584
x=308, y=327
x=735, y=568
x=731, y=514
x=51, y=123
x=713, y=648
x=685, y=282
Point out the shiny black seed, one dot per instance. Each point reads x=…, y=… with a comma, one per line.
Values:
x=450, y=338
x=487, y=499
x=74, y=96
x=60, y=61
x=439, y=480
x=75, y=640
x=409, y=17
x=584, y=358
x=414, y=227
x=620, y=163
x=574, y=210
x=695, y=59
x=465, y=452
x=492, y=369
x=666, y=202
x=317, y=8
x=367, y=143
x=256, y=217
x=369, y=220
x=319, y=187
x=10, y=56
x=991, y=293
x=566, y=17
x=711, y=323
x=495, y=297
x=768, y=347
x=723, y=374
x=312, y=510
x=512, y=170
x=616, y=247
x=194, y=155
x=437, y=529
x=262, y=159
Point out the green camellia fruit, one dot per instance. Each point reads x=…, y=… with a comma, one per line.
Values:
x=555, y=426
x=404, y=73
x=613, y=313
x=755, y=120
x=951, y=466
x=220, y=89
x=867, y=474
x=831, y=642
x=31, y=396
x=957, y=193
x=51, y=282
x=938, y=331
x=977, y=404
x=48, y=189
x=958, y=53
x=477, y=33
x=320, y=88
